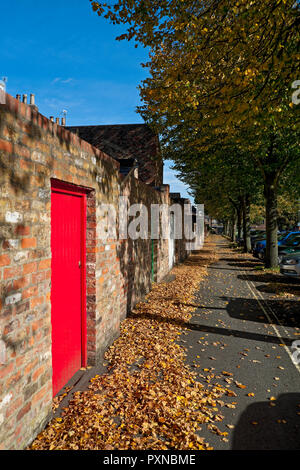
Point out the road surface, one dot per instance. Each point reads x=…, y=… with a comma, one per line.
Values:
x=242, y=328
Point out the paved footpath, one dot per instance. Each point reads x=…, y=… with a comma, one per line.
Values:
x=243, y=329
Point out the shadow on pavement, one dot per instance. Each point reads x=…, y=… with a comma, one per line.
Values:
x=239, y=334
x=265, y=427
x=240, y=262
x=280, y=289
x=269, y=278
x=287, y=311
x=219, y=268
x=246, y=264
x=215, y=330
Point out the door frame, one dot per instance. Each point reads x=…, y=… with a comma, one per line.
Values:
x=68, y=188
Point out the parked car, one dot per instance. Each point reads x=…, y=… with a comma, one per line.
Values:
x=290, y=265
x=291, y=245
x=256, y=236
x=259, y=249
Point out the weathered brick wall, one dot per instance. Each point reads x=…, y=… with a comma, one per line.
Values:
x=181, y=251
x=33, y=151
x=147, y=261
x=142, y=261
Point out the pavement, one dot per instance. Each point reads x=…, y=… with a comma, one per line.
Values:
x=241, y=336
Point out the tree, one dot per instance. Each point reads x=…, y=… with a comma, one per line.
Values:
x=221, y=71
x=225, y=180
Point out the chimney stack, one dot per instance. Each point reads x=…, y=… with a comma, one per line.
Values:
x=24, y=100
x=32, y=102
x=57, y=120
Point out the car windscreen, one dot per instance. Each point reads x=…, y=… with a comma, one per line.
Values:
x=293, y=240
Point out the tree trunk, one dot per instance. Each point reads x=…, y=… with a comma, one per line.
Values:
x=226, y=228
x=239, y=221
x=270, y=193
x=233, y=228
x=246, y=223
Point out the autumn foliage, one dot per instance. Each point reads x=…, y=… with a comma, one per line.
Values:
x=149, y=398
x=221, y=75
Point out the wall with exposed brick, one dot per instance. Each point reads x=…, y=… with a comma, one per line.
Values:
x=181, y=251
x=145, y=261
x=142, y=261
x=33, y=151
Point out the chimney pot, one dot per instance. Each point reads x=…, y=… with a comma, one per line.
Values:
x=25, y=99
x=32, y=99
x=57, y=120
x=63, y=121
x=52, y=118
x=18, y=97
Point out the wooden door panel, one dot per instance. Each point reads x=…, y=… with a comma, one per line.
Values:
x=66, y=285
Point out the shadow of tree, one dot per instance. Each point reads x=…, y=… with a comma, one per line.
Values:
x=279, y=289
x=246, y=264
x=211, y=329
x=266, y=277
x=277, y=427
x=273, y=283
x=287, y=311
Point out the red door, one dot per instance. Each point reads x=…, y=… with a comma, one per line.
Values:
x=67, y=284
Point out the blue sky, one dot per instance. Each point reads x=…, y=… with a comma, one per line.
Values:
x=67, y=55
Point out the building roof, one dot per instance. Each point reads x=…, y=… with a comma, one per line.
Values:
x=119, y=140
x=125, y=142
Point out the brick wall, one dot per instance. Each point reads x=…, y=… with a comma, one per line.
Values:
x=34, y=151
x=180, y=244
x=142, y=261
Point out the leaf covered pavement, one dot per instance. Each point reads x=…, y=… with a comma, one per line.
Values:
x=149, y=398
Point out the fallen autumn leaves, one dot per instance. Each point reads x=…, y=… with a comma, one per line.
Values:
x=150, y=398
